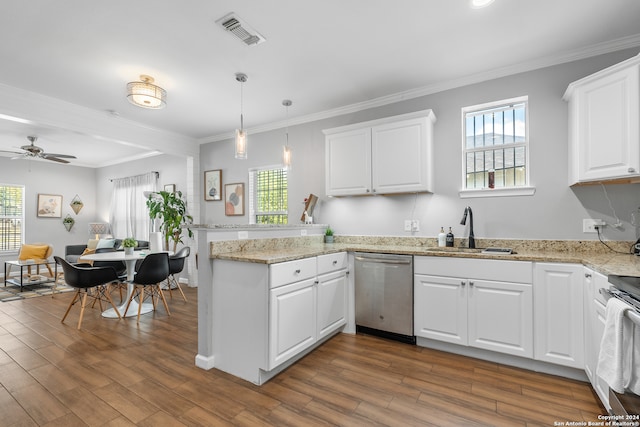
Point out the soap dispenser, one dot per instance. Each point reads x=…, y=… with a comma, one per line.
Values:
x=442, y=238
x=449, y=238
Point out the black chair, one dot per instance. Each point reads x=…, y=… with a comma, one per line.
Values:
x=153, y=270
x=176, y=265
x=92, y=282
x=119, y=266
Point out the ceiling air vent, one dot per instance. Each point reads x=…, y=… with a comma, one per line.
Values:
x=234, y=25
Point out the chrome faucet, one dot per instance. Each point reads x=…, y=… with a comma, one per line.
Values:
x=472, y=240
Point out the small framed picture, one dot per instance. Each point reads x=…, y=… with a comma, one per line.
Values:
x=170, y=188
x=49, y=206
x=213, y=185
x=234, y=199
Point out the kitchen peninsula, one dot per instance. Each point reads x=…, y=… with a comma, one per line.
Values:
x=238, y=292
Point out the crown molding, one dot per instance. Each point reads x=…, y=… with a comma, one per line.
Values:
x=548, y=61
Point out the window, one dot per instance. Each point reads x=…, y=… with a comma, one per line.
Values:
x=129, y=216
x=11, y=217
x=496, y=145
x=269, y=193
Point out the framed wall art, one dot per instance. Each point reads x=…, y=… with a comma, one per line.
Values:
x=213, y=185
x=49, y=206
x=234, y=199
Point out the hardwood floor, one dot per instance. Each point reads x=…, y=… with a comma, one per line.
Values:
x=116, y=373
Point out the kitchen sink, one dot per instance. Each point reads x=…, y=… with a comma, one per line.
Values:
x=493, y=251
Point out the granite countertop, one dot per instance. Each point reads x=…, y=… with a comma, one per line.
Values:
x=603, y=262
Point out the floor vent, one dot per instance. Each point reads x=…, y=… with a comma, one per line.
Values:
x=234, y=25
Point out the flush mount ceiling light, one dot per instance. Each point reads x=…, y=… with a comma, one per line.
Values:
x=286, y=150
x=241, y=134
x=478, y=4
x=145, y=94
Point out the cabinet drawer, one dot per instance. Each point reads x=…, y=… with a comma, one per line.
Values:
x=332, y=262
x=291, y=271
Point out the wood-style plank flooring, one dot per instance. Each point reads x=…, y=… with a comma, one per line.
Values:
x=116, y=373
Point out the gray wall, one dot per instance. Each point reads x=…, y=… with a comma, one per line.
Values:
x=44, y=177
x=172, y=170
x=93, y=186
x=554, y=212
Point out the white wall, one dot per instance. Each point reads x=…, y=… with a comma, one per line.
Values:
x=44, y=177
x=554, y=212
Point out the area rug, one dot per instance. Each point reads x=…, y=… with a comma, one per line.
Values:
x=12, y=292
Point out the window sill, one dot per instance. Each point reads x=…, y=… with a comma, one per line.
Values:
x=497, y=192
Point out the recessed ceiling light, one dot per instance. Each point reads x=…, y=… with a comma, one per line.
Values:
x=477, y=4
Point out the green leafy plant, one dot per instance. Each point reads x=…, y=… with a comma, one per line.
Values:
x=129, y=242
x=171, y=210
x=328, y=232
x=68, y=220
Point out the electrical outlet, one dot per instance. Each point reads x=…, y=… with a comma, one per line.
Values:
x=415, y=225
x=589, y=225
x=303, y=232
x=407, y=225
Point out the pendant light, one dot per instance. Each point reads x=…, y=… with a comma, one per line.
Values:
x=241, y=134
x=286, y=150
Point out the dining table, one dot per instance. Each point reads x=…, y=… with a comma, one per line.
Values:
x=130, y=262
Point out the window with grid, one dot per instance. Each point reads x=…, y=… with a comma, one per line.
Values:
x=496, y=145
x=269, y=196
x=11, y=217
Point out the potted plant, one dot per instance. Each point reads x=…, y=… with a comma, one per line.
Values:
x=129, y=243
x=68, y=222
x=171, y=209
x=328, y=235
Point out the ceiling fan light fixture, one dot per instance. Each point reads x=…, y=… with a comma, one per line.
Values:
x=145, y=94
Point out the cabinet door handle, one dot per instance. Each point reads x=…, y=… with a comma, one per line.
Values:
x=335, y=262
x=462, y=283
x=470, y=283
x=587, y=275
x=297, y=271
x=631, y=170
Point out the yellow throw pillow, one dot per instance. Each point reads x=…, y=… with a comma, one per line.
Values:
x=86, y=251
x=33, y=252
x=92, y=243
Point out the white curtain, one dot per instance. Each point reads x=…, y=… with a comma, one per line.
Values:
x=129, y=216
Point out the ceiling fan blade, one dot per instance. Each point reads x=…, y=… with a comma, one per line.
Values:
x=12, y=152
x=63, y=156
x=55, y=159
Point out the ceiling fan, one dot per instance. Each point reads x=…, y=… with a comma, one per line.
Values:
x=31, y=151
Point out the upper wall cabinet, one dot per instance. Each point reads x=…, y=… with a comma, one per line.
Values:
x=391, y=155
x=604, y=125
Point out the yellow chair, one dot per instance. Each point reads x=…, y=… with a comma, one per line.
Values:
x=38, y=252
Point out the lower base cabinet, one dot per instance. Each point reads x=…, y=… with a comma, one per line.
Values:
x=493, y=314
x=267, y=316
x=292, y=320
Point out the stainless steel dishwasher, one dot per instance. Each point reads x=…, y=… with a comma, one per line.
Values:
x=384, y=295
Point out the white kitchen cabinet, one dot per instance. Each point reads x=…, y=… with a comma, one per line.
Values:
x=594, y=321
x=488, y=304
x=267, y=316
x=559, y=319
x=348, y=162
x=331, y=294
x=386, y=156
x=604, y=124
x=292, y=320
x=440, y=311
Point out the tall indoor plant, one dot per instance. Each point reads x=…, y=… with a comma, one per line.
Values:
x=171, y=209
